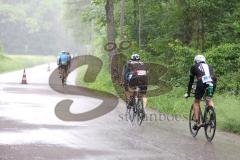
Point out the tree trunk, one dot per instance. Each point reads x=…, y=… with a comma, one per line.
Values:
x=135, y=15
x=122, y=19
x=110, y=23
x=139, y=24
x=202, y=34
x=111, y=37
x=198, y=33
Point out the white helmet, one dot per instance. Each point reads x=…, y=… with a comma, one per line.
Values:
x=199, y=59
x=135, y=57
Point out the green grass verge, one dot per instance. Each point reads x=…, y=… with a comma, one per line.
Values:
x=103, y=81
x=227, y=106
x=228, y=111
x=15, y=62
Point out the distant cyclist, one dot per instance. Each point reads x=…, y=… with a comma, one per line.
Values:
x=62, y=62
x=205, y=81
x=135, y=74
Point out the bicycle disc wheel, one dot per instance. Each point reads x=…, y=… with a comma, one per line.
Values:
x=210, y=123
x=140, y=112
x=192, y=122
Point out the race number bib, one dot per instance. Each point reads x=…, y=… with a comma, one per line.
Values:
x=206, y=79
x=141, y=72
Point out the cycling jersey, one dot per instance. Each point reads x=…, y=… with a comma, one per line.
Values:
x=135, y=75
x=63, y=59
x=200, y=70
x=134, y=69
x=204, y=74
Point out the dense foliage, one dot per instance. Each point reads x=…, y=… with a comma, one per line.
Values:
x=226, y=61
x=172, y=32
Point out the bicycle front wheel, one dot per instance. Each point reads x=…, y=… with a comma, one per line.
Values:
x=210, y=123
x=192, y=122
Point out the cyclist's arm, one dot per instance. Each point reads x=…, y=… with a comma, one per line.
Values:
x=190, y=84
x=191, y=80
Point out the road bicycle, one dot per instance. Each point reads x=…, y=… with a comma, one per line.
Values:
x=136, y=109
x=207, y=119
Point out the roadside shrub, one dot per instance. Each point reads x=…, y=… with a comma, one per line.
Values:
x=181, y=62
x=225, y=58
x=226, y=61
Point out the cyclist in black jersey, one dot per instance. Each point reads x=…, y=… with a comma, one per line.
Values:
x=205, y=80
x=135, y=74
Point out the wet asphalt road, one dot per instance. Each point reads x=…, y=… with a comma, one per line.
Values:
x=29, y=129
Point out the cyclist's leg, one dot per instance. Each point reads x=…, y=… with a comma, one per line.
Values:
x=144, y=101
x=196, y=108
x=143, y=92
x=200, y=90
x=210, y=102
x=209, y=99
x=130, y=94
x=130, y=90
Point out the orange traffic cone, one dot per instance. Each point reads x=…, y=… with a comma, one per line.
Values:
x=24, y=78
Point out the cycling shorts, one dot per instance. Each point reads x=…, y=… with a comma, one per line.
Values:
x=201, y=89
x=65, y=67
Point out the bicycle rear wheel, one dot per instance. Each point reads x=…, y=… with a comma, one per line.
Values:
x=210, y=123
x=140, y=111
x=192, y=122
